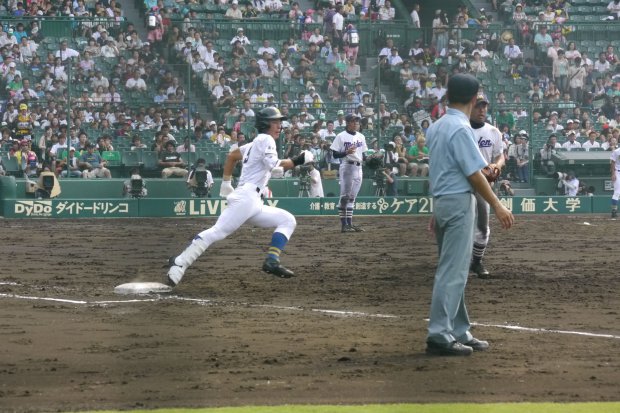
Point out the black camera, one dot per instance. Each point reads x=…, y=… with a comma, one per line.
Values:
x=201, y=189
x=374, y=162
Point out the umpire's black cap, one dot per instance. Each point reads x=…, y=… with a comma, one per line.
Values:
x=462, y=88
x=351, y=117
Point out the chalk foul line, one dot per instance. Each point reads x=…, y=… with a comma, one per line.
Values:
x=359, y=314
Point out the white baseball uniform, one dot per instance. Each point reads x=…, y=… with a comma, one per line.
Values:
x=615, y=157
x=245, y=203
x=490, y=145
x=350, y=173
x=351, y=165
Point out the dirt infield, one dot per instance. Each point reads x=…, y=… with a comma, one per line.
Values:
x=349, y=328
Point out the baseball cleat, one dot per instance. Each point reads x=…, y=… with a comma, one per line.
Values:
x=356, y=228
x=273, y=266
x=478, y=269
x=347, y=228
x=614, y=213
x=175, y=272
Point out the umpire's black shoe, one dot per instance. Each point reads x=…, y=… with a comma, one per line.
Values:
x=448, y=349
x=477, y=345
x=478, y=269
x=348, y=228
x=273, y=266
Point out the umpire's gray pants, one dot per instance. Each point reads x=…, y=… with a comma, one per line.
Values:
x=454, y=225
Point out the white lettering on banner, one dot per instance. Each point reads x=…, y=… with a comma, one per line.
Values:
x=528, y=205
x=506, y=202
x=34, y=208
x=426, y=205
x=272, y=202
x=180, y=207
x=572, y=204
x=207, y=207
x=550, y=205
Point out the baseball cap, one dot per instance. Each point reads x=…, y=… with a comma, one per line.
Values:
x=481, y=98
x=523, y=132
x=71, y=149
x=432, y=76
x=23, y=106
x=212, y=123
x=351, y=117
x=340, y=112
x=569, y=121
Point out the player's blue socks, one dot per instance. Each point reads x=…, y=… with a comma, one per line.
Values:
x=614, y=202
x=349, y=214
x=278, y=242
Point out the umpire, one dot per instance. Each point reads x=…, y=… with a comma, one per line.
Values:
x=455, y=164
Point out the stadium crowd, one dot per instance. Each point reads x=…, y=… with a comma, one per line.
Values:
x=128, y=93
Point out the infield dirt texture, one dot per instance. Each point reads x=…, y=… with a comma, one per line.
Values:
x=231, y=335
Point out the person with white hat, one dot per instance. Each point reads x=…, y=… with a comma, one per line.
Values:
x=241, y=37
x=234, y=12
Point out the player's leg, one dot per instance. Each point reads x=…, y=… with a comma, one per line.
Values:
x=356, y=185
x=241, y=206
x=615, y=196
x=284, y=223
x=482, y=231
x=346, y=184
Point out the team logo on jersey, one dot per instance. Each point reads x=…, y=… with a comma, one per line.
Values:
x=485, y=143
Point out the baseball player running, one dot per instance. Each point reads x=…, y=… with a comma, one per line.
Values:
x=350, y=146
x=615, y=178
x=489, y=140
x=260, y=162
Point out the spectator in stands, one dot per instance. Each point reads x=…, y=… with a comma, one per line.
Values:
x=440, y=26
x=602, y=65
x=480, y=49
x=241, y=37
x=571, y=142
x=110, y=49
x=171, y=162
x=187, y=146
x=66, y=52
x=512, y=52
x=338, y=26
x=234, y=12
x=547, y=152
x=477, y=65
x=92, y=164
x=614, y=8
x=591, y=142
x=386, y=11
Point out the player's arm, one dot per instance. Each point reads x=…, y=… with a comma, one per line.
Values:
x=229, y=165
x=482, y=187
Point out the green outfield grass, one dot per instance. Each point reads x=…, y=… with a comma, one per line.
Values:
x=407, y=408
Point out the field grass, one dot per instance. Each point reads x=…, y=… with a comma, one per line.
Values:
x=407, y=408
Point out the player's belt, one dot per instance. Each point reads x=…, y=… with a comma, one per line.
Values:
x=354, y=163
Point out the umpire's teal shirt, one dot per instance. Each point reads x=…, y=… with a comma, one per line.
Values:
x=453, y=154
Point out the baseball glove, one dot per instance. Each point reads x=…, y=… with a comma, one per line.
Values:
x=491, y=173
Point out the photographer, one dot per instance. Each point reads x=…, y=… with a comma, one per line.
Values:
x=569, y=181
x=546, y=154
x=316, y=184
x=135, y=186
x=391, y=188
x=200, y=180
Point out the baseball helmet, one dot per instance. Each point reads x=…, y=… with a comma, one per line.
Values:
x=266, y=115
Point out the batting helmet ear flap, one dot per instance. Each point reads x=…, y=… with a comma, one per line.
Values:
x=266, y=115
